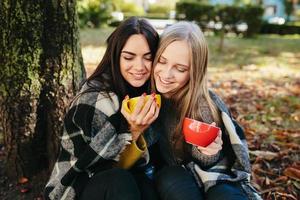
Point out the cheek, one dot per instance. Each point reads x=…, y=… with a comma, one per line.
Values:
x=123, y=62
x=184, y=78
x=123, y=67
x=157, y=69
x=148, y=65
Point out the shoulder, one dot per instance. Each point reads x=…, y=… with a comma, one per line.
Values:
x=219, y=102
x=106, y=102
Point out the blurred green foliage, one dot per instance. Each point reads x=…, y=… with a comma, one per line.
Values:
x=228, y=15
x=158, y=8
x=132, y=9
x=94, y=13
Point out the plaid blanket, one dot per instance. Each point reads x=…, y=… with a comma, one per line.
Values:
x=92, y=140
x=239, y=171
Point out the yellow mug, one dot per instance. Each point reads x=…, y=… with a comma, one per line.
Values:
x=130, y=104
x=132, y=153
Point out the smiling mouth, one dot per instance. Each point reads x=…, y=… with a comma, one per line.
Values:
x=164, y=81
x=138, y=75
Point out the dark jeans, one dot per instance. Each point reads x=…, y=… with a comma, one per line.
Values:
x=176, y=183
x=115, y=184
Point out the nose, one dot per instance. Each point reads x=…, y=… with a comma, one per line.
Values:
x=167, y=72
x=140, y=64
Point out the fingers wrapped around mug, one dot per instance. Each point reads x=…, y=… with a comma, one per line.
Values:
x=140, y=112
x=214, y=147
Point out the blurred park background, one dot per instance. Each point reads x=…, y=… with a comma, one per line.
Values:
x=48, y=47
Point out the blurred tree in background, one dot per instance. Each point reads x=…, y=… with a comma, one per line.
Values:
x=289, y=8
x=41, y=68
x=222, y=19
x=95, y=13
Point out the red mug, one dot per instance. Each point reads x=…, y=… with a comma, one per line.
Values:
x=199, y=133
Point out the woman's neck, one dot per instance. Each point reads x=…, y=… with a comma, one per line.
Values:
x=137, y=91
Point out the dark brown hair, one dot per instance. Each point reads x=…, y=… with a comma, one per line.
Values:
x=108, y=71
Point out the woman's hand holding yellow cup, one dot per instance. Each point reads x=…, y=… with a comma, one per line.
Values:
x=140, y=112
x=130, y=104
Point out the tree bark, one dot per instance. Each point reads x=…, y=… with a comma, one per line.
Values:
x=41, y=68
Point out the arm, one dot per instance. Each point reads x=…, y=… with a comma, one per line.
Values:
x=89, y=136
x=89, y=141
x=205, y=160
x=208, y=156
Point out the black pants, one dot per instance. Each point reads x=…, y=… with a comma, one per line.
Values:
x=176, y=183
x=115, y=184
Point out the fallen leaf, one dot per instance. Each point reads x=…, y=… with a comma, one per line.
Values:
x=267, y=181
x=281, y=179
x=268, y=155
x=259, y=106
x=24, y=190
x=23, y=180
x=296, y=184
x=292, y=173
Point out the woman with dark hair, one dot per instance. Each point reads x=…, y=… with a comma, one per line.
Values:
x=96, y=133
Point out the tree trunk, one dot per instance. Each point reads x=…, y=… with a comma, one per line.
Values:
x=41, y=68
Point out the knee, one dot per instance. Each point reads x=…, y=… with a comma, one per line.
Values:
x=169, y=176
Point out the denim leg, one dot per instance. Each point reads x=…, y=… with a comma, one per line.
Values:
x=225, y=191
x=146, y=186
x=176, y=183
x=112, y=184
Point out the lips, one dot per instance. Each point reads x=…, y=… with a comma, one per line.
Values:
x=138, y=76
x=164, y=82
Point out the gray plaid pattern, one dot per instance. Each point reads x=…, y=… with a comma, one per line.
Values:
x=99, y=136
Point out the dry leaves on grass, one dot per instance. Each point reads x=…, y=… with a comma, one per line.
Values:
x=269, y=113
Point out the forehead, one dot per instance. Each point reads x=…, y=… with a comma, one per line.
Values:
x=177, y=51
x=136, y=43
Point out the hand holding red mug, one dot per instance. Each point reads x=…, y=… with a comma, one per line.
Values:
x=214, y=147
x=207, y=137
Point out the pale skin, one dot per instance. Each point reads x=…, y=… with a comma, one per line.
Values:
x=135, y=66
x=171, y=73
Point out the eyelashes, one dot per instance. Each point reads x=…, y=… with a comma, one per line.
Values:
x=132, y=58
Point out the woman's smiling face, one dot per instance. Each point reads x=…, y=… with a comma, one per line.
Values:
x=172, y=70
x=136, y=60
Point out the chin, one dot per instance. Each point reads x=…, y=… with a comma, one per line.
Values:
x=137, y=83
x=162, y=90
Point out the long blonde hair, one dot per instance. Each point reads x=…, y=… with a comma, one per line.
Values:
x=188, y=98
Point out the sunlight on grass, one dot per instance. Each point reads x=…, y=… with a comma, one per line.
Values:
x=92, y=55
x=94, y=37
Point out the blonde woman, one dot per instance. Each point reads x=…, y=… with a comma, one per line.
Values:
x=222, y=169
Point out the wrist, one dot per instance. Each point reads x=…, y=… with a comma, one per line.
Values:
x=135, y=135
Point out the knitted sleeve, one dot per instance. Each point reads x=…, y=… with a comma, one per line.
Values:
x=204, y=160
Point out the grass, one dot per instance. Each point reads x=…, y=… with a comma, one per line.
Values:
x=94, y=37
x=261, y=51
